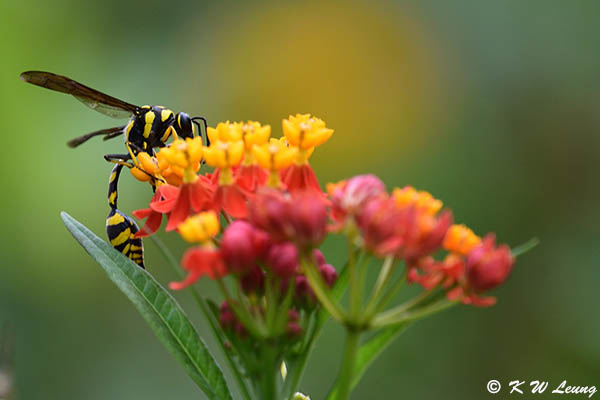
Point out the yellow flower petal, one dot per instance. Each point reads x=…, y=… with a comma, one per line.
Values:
x=200, y=227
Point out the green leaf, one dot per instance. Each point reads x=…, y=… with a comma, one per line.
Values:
x=525, y=247
x=369, y=351
x=159, y=309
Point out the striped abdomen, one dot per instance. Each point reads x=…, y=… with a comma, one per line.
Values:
x=119, y=227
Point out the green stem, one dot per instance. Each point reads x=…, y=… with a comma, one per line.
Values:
x=269, y=376
x=405, y=316
x=348, y=362
x=296, y=369
x=214, y=327
x=256, y=328
x=385, y=274
x=355, y=296
x=402, y=308
x=391, y=293
x=321, y=291
x=270, y=306
x=283, y=308
x=320, y=317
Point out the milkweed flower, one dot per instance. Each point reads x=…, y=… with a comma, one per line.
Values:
x=379, y=221
x=191, y=197
x=348, y=197
x=277, y=215
x=253, y=281
x=242, y=245
x=303, y=132
x=205, y=259
x=300, y=218
x=269, y=211
x=225, y=152
x=193, y=193
x=460, y=240
x=275, y=281
x=165, y=196
x=426, y=229
x=274, y=157
x=199, y=228
x=308, y=217
x=180, y=161
x=282, y=259
x=147, y=169
x=472, y=267
x=250, y=176
x=488, y=265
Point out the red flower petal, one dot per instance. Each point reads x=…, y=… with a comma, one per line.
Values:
x=151, y=226
x=164, y=199
x=302, y=178
x=251, y=177
x=201, y=193
x=143, y=213
x=181, y=210
x=232, y=199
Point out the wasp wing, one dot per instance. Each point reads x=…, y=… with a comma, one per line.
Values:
x=92, y=98
x=108, y=134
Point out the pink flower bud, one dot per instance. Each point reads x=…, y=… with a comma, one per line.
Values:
x=308, y=217
x=379, y=222
x=282, y=258
x=419, y=242
x=226, y=316
x=269, y=211
x=302, y=288
x=318, y=257
x=293, y=315
x=241, y=246
x=355, y=192
x=328, y=273
x=293, y=327
x=488, y=265
x=253, y=281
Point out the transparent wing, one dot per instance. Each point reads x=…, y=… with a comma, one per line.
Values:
x=111, y=111
x=92, y=98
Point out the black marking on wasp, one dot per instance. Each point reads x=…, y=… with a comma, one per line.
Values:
x=149, y=127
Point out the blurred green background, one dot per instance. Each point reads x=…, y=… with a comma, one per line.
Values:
x=493, y=107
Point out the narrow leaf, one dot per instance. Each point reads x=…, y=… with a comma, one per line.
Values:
x=159, y=309
x=525, y=247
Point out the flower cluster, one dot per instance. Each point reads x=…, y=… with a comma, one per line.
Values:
x=268, y=196
x=410, y=225
x=256, y=221
x=276, y=215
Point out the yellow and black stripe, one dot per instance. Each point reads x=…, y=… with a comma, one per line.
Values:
x=119, y=227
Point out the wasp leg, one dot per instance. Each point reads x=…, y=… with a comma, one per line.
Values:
x=119, y=227
x=121, y=159
x=132, y=155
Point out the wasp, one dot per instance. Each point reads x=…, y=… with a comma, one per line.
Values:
x=149, y=127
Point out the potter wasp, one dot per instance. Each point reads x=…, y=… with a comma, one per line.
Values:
x=149, y=127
